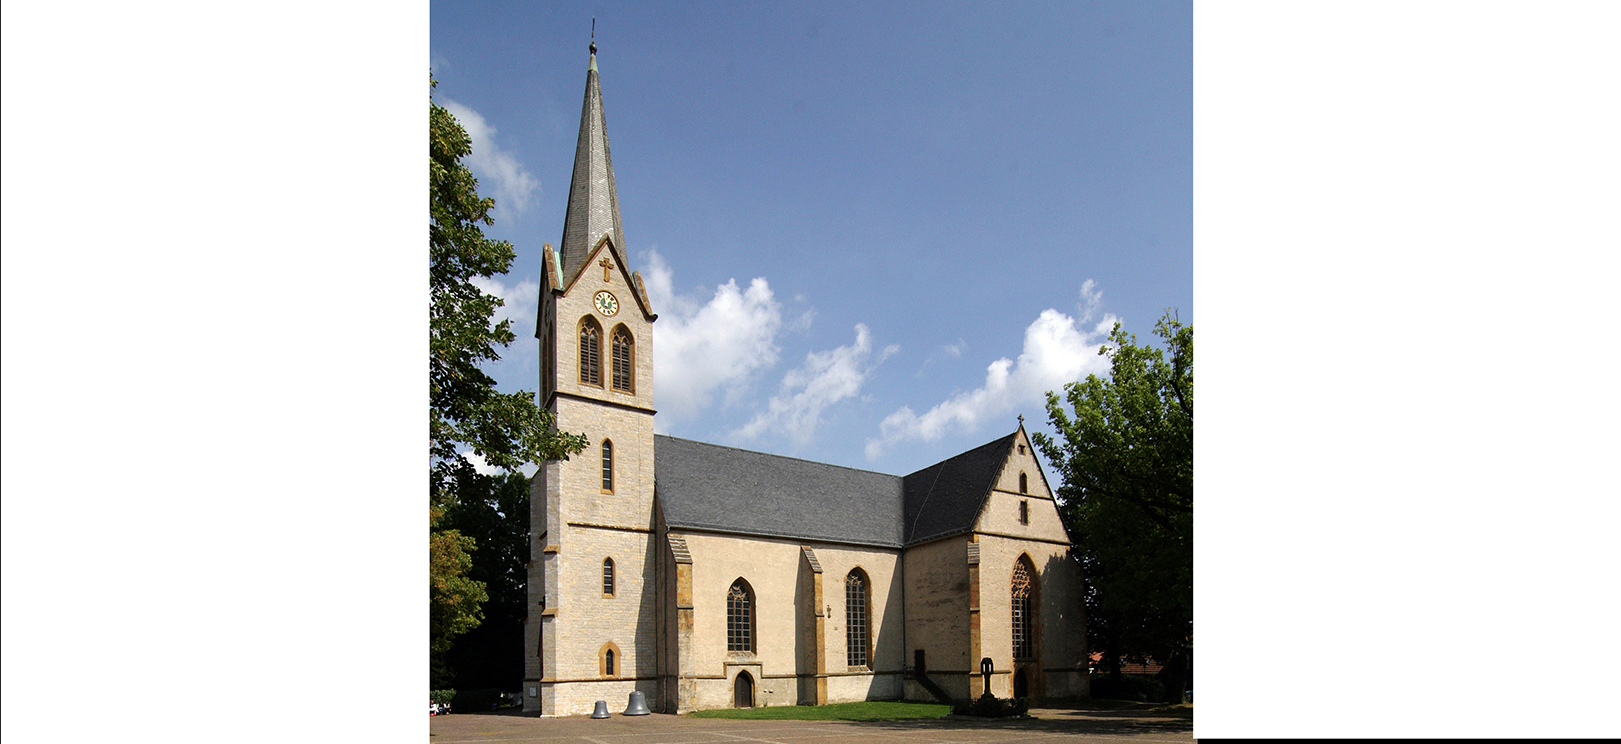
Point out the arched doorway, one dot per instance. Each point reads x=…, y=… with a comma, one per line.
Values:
x=1021, y=685
x=743, y=691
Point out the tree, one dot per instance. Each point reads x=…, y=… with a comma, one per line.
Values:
x=454, y=599
x=507, y=429
x=464, y=410
x=492, y=510
x=1125, y=460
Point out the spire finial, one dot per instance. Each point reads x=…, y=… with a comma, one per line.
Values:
x=1021, y=421
x=593, y=35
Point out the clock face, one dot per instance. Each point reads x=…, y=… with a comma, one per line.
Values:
x=607, y=304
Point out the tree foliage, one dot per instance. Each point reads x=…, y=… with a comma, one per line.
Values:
x=465, y=412
x=455, y=599
x=493, y=510
x=1124, y=454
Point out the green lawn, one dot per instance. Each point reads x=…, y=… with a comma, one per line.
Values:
x=868, y=711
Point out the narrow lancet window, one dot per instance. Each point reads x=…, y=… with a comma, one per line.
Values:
x=590, y=352
x=1023, y=588
x=623, y=361
x=739, y=617
x=855, y=618
x=607, y=577
x=607, y=466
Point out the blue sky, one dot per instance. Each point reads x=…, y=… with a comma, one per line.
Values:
x=874, y=234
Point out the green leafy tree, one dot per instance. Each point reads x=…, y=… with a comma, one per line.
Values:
x=493, y=510
x=464, y=410
x=455, y=599
x=465, y=413
x=1124, y=454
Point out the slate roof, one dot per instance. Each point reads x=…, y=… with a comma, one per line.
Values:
x=710, y=487
x=945, y=498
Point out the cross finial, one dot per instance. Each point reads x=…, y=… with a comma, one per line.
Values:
x=593, y=34
x=606, y=267
x=1021, y=420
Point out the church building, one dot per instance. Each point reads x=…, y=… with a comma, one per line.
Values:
x=710, y=577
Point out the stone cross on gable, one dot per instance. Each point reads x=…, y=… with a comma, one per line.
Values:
x=606, y=267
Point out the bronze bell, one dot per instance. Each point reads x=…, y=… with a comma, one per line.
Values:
x=601, y=711
x=638, y=704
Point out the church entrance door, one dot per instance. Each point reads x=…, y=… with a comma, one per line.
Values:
x=743, y=691
x=1021, y=685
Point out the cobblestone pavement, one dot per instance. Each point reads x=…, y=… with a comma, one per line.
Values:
x=1046, y=725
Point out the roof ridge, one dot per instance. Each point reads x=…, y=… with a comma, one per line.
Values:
x=963, y=454
x=784, y=457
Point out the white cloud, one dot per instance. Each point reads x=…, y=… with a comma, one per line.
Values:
x=825, y=378
x=955, y=350
x=519, y=303
x=1055, y=352
x=1091, y=300
x=485, y=468
x=700, y=348
x=500, y=175
x=803, y=323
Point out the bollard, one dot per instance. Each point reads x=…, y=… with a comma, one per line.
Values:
x=601, y=711
x=638, y=705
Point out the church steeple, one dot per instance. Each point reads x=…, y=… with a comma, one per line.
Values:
x=593, y=202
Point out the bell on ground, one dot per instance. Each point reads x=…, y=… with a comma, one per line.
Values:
x=638, y=705
x=601, y=711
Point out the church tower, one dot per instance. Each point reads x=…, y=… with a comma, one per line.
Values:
x=590, y=634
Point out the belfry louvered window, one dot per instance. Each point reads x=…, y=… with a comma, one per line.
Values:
x=590, y=353
x=1023, y=637
x=739, y=617
x=855, y=618
x=622, y=360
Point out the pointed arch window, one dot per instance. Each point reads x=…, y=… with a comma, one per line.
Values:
x=856, y=633
x=607, y=466
x=590, y=352
x=609, y=660
x=624, y=360
x=607, y=577
x=740, y=617
x=1024, y=483
x=1024, y=589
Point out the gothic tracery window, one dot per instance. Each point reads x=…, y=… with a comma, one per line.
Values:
x=855, y=618
x=622, y=360
x=1023, y=630
x=590, y=352
x=739, y=617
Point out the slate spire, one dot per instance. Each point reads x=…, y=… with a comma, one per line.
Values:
x=593, y=203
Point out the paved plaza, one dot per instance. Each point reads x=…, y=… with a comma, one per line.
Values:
x=1046, y=725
